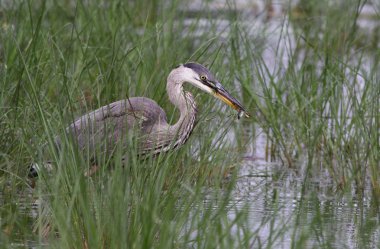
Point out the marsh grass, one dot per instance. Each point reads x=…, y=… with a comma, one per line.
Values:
x=60, y=59
x=322, y=102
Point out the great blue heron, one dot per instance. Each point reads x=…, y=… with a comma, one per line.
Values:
x=111, y=124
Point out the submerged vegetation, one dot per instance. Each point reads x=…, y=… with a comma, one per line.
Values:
x=309, y=78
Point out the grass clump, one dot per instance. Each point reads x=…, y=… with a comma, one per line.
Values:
x=67, y=58
x=317, y=99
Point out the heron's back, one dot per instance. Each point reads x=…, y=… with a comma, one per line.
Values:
x=117, y=123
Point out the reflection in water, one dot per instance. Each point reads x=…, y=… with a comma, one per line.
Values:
x=283, y=208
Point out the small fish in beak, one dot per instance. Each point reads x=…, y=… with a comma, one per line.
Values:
x=226, y=97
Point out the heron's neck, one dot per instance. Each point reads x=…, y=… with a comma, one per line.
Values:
x=184, y=101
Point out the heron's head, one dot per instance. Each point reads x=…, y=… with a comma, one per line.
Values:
x=201, y=77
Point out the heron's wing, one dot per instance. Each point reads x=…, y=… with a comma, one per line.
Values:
x=115, y=123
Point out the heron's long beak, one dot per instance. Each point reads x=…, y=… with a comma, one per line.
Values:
x=226, y=97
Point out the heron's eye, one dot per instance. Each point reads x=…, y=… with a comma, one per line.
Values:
x=203, y=77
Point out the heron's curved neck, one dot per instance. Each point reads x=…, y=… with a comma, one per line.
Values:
x=185, y=102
